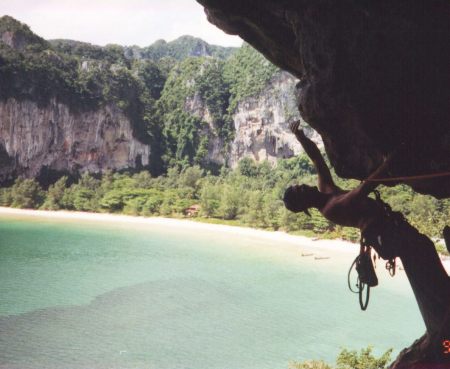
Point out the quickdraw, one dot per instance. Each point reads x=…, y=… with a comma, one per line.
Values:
x=391, y=266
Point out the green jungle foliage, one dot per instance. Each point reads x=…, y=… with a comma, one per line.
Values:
x=182, y=48
x=249, y=195
x=349, y=360
x=83, y=50
x=179, y=49
x=247, y=72
x=193, y=81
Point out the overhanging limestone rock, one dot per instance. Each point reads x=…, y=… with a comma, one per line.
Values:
x=375, y=76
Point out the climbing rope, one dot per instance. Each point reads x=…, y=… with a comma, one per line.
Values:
x=423, y=176
x=349, y=276
x=364, y=304
x=359, y=285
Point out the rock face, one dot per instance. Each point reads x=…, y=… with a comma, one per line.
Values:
x=375, y=77
x=13, y=40
x=261, y=123
x=33, y=139
x=196, y=106
x=59, y=98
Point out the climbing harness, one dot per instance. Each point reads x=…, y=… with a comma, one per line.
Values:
x=363, y=263
x=367, y=277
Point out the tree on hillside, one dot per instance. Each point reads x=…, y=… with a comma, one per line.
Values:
x=26, y=194
x=55, y=195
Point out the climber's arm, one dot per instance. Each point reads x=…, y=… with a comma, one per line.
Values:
x=325, y=180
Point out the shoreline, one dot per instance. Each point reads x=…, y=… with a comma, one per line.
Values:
x=335, y=246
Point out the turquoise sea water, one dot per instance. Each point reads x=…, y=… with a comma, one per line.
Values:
x=93, y=295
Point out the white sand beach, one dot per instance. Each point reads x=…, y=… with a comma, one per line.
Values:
x=278, y=236
x=323, y=248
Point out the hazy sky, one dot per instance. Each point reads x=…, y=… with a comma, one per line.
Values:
x=124, y=22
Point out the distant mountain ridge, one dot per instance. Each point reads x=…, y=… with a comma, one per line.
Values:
x=179, y=49
x=18, y=35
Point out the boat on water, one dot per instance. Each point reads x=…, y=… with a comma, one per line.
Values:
x=307, y=254
x=321, y=257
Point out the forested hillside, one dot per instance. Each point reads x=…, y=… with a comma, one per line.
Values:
x=152, y=86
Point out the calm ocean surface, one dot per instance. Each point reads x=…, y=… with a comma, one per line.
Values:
x=91, y=295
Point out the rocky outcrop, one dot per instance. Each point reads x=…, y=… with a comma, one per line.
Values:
x=17, y=35
x=13, y=40
x=217, y=152
x=261, y=123
x=33, y=139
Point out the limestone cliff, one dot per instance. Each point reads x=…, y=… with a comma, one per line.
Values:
x=33, y=139
x=217, y=153
x=261, y=123
x=61, y=113
x=72, y=107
